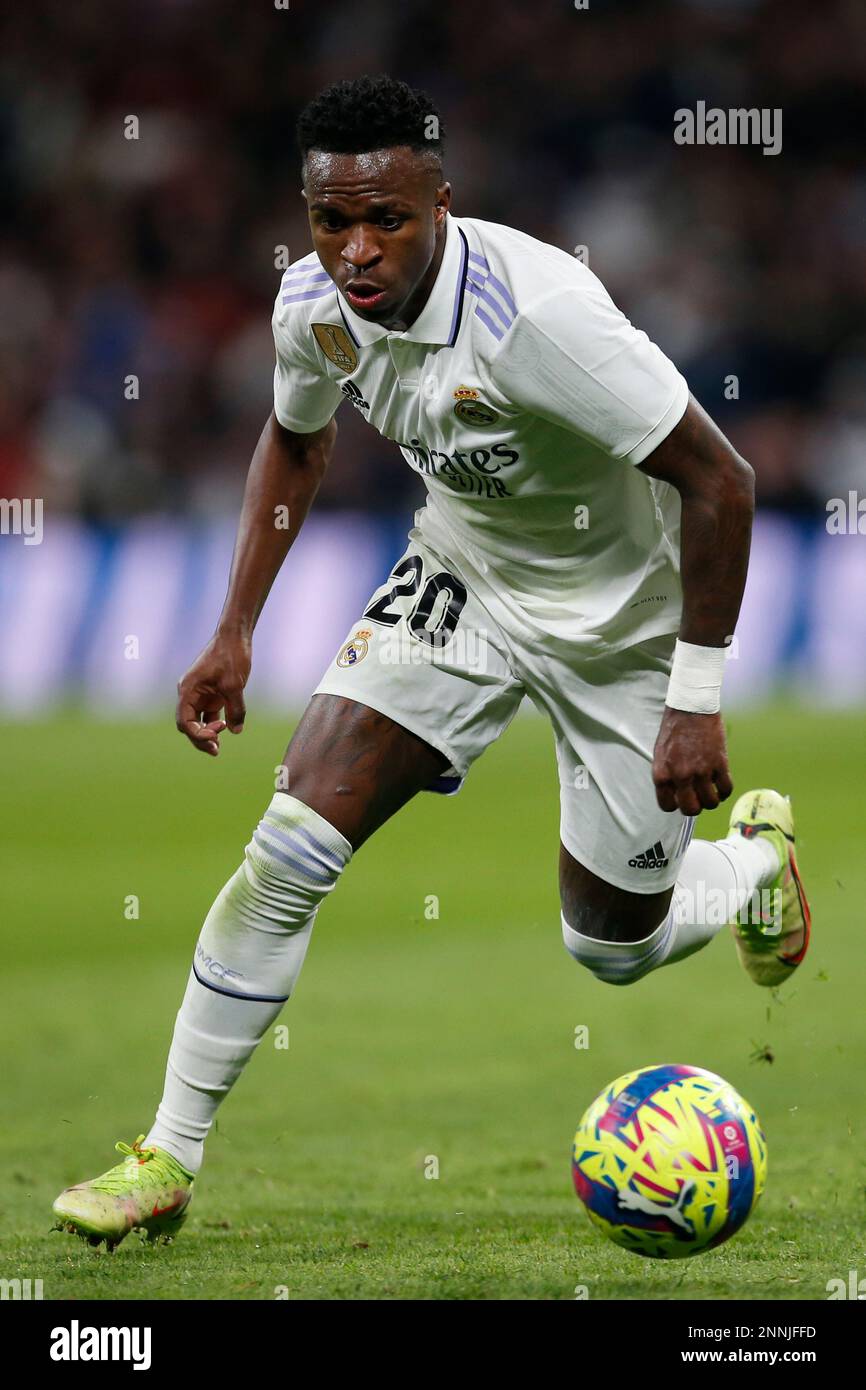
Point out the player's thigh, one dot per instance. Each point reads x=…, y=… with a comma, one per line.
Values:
x=355, y=766
x=419, y=689
x=621, y=851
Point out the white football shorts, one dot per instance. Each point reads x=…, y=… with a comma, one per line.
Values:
x=428, y=654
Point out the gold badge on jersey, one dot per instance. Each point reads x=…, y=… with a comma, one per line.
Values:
x=356, y=649
x=336, y=345
x=471, y=410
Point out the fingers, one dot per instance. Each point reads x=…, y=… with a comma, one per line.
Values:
x=706, y=793
x=691, y=795
x=690, y=764
x=198, y=716
x=204, y=737
x=666, y=796
x=679, y=796
x=236, y=710
x=203, y=733
x=214, y=684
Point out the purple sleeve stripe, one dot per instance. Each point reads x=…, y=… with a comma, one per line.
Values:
x=488, y=322
x=310, y=294
x=307, y=277
x=310, y=262
x=502, y=292
x=506, y=318
x=492, y=280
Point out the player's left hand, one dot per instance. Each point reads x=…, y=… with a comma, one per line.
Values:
x=690, y=763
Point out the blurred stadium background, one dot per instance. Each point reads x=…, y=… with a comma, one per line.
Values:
x=155, y=258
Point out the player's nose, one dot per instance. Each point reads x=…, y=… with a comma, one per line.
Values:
x=360, y=253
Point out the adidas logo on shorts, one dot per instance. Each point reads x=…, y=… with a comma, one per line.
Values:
x=652, y=858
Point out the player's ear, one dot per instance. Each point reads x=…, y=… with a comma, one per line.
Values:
x=443, y=201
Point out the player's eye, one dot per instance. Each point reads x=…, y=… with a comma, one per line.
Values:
x=390, y=221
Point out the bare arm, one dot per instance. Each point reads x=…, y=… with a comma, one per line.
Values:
x=717, y=489
x=283, y=479
x=716, y=486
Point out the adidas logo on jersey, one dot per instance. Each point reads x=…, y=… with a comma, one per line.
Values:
x=652, y=858
x=354, y=394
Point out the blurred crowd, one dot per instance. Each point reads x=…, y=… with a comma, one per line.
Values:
x=137, y=276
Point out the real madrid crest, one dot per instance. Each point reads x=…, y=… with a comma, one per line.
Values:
x=336, y=345
x=355, y=649
x=471, y=410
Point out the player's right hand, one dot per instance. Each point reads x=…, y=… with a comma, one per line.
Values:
x=213, y=684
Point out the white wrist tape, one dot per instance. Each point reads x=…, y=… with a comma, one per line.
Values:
x=696, y=678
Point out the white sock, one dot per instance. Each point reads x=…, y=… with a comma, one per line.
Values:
x=716, y=879
x=246, y=963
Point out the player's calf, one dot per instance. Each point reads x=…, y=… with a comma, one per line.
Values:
x=621, y=936
x=247, y=960
x=612, y=932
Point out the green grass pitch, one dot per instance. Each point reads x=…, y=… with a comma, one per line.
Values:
x=410, y=1036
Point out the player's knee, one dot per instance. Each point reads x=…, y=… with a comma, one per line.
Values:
x=623, y=966
x=294, y=855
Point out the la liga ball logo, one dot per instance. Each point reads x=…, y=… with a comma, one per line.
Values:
x=669, y=1161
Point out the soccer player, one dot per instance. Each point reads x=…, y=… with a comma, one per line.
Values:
x=584, y=542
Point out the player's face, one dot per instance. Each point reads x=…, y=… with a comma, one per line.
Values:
x=378, y=225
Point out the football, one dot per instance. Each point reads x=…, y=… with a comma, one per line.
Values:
x=669, y=1161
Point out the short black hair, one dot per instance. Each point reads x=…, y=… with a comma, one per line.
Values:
x=370, y=113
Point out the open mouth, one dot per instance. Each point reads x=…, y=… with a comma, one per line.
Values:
x=363, y=296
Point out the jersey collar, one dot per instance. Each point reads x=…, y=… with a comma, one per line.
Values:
x=439, y=320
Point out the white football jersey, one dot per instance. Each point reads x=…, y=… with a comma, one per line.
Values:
x=524, y=398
